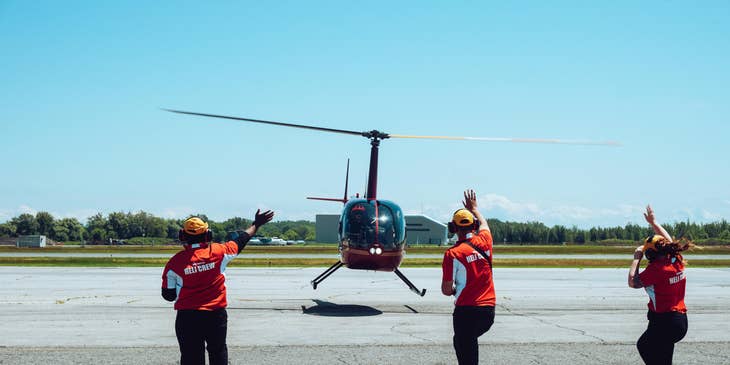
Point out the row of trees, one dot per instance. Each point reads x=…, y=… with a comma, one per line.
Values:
x=535, y=232
x=119, y=225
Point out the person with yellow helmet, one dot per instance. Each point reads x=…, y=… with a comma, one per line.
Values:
x=194, y=278
x=467, y=275
x=664, y=282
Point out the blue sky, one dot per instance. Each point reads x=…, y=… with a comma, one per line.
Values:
x=81, y=84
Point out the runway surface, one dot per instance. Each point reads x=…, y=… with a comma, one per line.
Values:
x=544, y=316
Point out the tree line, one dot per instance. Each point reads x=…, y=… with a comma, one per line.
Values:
x=126, y=225
x=539, y=233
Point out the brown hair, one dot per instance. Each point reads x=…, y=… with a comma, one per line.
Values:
x=674, y=248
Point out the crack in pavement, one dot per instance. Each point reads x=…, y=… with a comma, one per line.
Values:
x=580, y=331
x=393, y=329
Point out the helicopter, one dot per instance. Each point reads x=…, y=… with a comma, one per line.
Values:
x=372, y=231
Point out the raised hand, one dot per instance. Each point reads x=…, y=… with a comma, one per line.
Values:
x=263, y=218
x=470, y=200
x=649, y=215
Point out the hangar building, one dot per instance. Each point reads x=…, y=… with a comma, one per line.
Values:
x=31, y=241
x=420, y=229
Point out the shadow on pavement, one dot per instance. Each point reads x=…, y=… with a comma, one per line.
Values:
x=328, y=309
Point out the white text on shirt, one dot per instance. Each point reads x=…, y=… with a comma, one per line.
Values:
x=199, y=268
x=677, y=278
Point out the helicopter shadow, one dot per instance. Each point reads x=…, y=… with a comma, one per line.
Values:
x=329, y=309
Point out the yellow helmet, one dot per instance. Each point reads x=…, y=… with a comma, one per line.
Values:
x=651, y=251
x=195, y=226
x=463, y=218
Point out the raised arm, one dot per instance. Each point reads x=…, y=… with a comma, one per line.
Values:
x=470, y=203
x=649, y=216
x=259, y=220
x=634, y=281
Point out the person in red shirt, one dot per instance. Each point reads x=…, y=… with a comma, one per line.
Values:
x=194, y=278
x=467, y=275
x=664, y=282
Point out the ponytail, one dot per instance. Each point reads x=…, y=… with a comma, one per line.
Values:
x=674, y=249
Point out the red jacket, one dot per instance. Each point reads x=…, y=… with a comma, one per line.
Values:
x=470, y=272
x=664, y=281
x=196, y=273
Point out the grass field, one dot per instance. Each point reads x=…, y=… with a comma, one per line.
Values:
x=244, y=261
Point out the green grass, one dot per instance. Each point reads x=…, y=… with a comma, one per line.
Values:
x=244, y=261
x=323, y=262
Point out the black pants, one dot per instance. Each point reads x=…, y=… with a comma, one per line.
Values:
x=196, y=328
x=469, y=324
x=656, y=345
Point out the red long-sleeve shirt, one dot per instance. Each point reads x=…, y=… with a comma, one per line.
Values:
x=197, y=275
x=664, y=282
x=470, y=272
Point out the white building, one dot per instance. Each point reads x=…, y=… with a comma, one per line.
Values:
x=31, y=241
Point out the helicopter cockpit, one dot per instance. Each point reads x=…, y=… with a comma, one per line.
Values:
x=368, y=222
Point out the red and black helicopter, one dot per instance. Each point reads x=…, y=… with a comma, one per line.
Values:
x=372, y=231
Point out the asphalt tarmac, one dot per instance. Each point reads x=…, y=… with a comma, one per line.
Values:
x=544, y=316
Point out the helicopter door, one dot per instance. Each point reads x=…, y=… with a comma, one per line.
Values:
x=390, y=225
x=356, y=227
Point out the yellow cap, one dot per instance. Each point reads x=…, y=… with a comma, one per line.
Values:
x=195, y=226
x=463, y=218
x=651, y=242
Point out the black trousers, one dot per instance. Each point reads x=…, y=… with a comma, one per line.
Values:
x=194, y=329
x=469, y=324
x=656, y=345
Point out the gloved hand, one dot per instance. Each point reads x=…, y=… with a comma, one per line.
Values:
x=262, y=218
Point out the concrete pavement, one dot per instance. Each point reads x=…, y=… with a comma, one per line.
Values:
x=547, y=315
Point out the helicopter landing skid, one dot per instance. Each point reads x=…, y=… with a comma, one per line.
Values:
x=408, y=282
x=325, y=274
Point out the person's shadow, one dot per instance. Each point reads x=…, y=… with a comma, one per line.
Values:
x=328, y=309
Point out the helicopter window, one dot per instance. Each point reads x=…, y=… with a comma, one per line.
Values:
x=393, y=221
x=386, y=231
x=366, y=223
x=358, y=230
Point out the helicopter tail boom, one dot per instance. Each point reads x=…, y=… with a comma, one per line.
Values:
x=328, y=199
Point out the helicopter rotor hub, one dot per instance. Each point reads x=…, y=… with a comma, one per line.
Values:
x=375, y=135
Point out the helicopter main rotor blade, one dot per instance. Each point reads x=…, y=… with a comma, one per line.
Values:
x=516, y=140
x=268, y=122
x=380, y=135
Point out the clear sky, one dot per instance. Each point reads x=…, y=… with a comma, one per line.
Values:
x=81, y=84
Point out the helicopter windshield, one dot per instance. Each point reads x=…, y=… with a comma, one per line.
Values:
x=365, y=223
